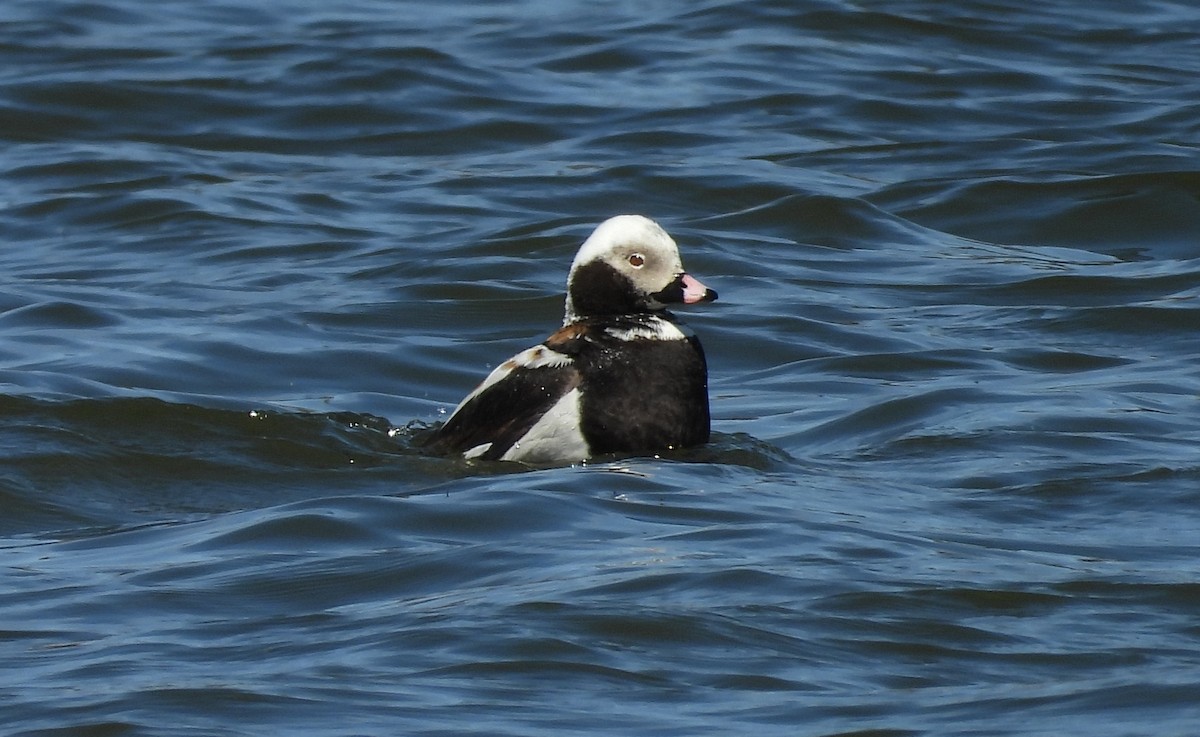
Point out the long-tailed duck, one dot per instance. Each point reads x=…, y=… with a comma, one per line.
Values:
x=622, y=375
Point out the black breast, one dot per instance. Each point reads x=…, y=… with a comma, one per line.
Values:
x=642, y=394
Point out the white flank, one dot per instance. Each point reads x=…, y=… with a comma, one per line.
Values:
x=477, y=451
x=555, y=437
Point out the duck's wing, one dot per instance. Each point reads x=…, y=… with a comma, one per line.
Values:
x=510, y=401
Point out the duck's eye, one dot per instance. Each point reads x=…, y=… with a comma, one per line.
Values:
x=636, y=260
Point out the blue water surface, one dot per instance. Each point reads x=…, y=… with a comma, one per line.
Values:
x=251, y=252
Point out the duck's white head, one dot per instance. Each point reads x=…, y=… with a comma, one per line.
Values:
x=629, y=265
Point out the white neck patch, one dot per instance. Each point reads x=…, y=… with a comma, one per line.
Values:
x=654, y=328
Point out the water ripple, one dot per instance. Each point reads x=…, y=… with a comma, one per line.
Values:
x=254, y=253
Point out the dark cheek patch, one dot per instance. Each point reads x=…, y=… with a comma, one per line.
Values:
x=597, y=289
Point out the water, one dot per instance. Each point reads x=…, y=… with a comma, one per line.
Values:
x=251, y=253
